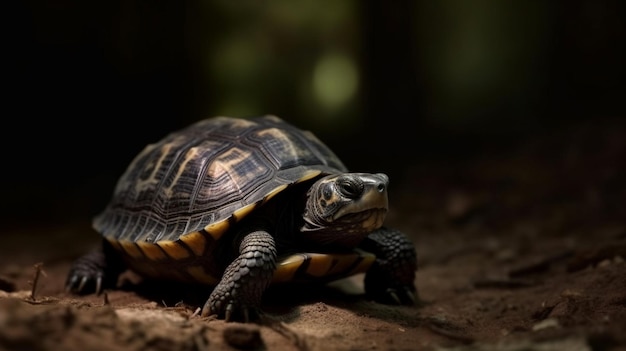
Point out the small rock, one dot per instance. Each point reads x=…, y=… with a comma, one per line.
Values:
x=546, y=323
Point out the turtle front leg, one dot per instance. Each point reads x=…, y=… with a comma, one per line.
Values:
x=95, y=271
x=391, y=278
x=245, y=279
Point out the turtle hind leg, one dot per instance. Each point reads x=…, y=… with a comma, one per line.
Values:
x=391, y=279
x=94, y=271
x=239, y=292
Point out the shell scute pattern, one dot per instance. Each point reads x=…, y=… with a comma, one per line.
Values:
x=172, y=209
x=197, y=178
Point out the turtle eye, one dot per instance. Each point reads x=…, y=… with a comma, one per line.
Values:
x=350, y=187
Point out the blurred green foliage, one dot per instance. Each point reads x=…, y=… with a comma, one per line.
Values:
x=387, y=84
x=294, y=59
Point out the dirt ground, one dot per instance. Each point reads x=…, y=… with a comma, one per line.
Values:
x=519, y=249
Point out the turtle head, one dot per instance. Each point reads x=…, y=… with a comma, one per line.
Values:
x=341, y=209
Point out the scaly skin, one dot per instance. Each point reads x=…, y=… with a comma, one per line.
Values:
x=341, y=212
x=95, y=271
x=391, y=279
x=239, y=292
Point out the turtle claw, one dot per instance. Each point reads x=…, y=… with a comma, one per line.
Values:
x=245, y=314
x=230, y=312
x=98, y=285
x=77, y=284
x=394, y=297
x=69, y=286
x=401, y=296
x=206, y=312
x=82, y=284
x=90, y=274
x=410, y=295
x=398, y=295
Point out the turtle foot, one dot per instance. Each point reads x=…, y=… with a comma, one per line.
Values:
x=87, y=274
x=230, y=310
x=238, y=295
x=391, y=279
x=95, y=271
x=236, y=300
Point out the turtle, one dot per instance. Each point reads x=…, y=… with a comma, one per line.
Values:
x=238, y=203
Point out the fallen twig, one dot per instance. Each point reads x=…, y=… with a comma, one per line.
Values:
x=38, y=272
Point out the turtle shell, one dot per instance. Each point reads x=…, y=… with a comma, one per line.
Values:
x=209, y=174
x=180, y=195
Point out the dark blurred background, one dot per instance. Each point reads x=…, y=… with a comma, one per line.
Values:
x=387, y=84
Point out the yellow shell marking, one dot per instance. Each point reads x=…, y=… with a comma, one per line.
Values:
x=275, y=191
x=152, y=251
x=244, y=211
x=309, y=175
x=227, y=166
x=198, y=273
x=173, y=249
x=342, y=263
x=217, y=229
x=142, y=185
x=367, y=258
x=131, y=249
x=191, y=154
x=196, y=242
x=322, y=265
x=288, y=149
